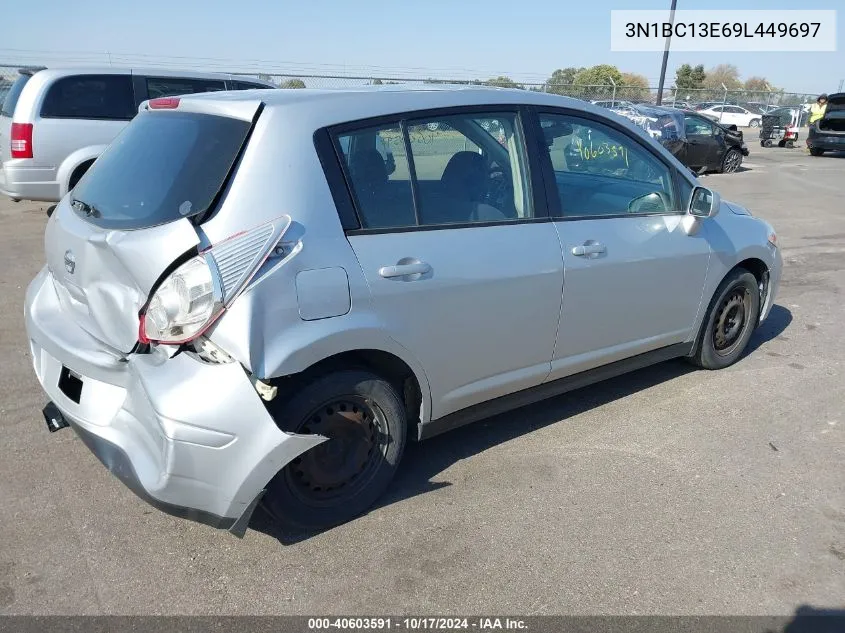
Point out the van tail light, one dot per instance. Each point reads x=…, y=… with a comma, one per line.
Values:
x=190, y=299
x=21, y=140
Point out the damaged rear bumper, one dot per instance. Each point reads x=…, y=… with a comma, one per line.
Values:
x=189, y=437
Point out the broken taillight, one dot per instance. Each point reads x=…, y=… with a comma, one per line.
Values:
x=191, y=298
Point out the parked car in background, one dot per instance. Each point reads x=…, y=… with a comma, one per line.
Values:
x=611, y=104
x=235, y=310
x=703, y=105
x=55, y=122
x=699, y=143
x=828, y=134
x=732, y=115
x=756, y=106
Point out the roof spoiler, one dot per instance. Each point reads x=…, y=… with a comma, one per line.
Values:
x=31, y=70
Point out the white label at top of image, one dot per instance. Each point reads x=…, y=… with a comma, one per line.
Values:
x=720, y=31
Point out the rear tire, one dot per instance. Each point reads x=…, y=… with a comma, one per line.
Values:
x=729, y=322
x=364, y=418
x=816, y=151
x=754, y=123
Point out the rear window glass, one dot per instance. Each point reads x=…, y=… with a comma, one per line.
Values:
x=174, y=86
x=162, y=167
x=90, y=97
x=14, y=92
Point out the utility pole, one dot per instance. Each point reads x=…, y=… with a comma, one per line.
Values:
x=666, y=55
x=841, y=81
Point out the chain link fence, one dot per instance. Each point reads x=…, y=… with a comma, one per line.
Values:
x=610, y=93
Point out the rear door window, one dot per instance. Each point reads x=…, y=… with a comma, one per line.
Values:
x=462, y=169
x=162, y=167
x=172, y=86
x=13, y=94
x=90, y=97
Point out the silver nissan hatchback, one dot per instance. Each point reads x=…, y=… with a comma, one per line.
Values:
x=243, y=303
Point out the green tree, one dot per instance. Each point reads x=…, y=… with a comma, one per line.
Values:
x=597, y=82
x=503, y=82
x=634, y=87
x=561, y=81
x=689, y=78
x=293, y=83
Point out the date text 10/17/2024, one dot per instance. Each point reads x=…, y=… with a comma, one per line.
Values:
x=416, y=624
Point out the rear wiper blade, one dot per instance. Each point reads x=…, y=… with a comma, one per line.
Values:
x=89, y=210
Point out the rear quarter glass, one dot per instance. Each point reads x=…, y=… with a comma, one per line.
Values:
x=7, y=107
x=163, y=167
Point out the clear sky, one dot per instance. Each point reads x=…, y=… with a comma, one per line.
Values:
x=459, y=38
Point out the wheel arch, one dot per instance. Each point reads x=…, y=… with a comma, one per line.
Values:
x=386, y=364
x=750, y=262
x=80, y=158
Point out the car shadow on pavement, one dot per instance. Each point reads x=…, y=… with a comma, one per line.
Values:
x=809, y=619
x=425, y=460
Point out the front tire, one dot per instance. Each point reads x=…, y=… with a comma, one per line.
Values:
x=364, y=418
x=731, y=161
x=816, y=151
x=730, y=321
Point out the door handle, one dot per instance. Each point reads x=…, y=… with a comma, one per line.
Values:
x=402, y=270
x=589, y=249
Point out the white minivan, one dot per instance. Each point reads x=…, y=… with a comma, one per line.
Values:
x=55, y=122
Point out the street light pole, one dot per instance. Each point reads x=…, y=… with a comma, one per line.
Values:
x=666, y=55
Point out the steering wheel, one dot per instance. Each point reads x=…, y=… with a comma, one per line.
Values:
x=498, y=188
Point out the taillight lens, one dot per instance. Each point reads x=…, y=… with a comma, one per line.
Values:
x=21, y=140
x=193, y=296
x=164, y=103
x=183, y=306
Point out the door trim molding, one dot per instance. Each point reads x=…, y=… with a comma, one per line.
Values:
x=549, y=389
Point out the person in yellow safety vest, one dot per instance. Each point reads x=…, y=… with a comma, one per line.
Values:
x=817, y=110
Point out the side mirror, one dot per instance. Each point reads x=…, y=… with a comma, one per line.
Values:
x=704, y=203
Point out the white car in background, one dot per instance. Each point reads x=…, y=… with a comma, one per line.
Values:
x=732, y=115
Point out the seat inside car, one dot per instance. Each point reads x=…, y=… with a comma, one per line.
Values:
x=463, y=186
x=382, y=203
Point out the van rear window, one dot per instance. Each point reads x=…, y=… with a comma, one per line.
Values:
x=164, y=166
x=11, y=100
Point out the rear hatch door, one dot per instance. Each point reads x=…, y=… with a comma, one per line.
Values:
x=833, y=121
x=133, y=214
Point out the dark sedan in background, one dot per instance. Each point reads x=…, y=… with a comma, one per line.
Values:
x=699, y=143
x=828, y=134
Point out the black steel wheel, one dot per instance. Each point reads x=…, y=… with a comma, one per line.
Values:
x=729, y=322
x=731, y=161
x=363, y=417
x=732, y=319
x=357, y=432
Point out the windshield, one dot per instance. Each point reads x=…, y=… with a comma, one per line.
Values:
x=11, y=100
x=164, y=166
